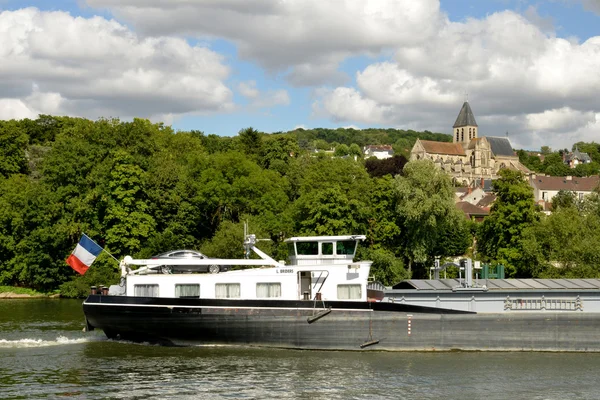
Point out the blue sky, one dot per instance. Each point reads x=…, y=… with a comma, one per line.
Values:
x=526, y=65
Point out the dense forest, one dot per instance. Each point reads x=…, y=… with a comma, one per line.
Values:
x=140, y=189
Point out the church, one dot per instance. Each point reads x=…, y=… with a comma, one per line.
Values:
x=469, y=159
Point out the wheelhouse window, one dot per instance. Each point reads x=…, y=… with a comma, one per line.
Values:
x=345, y=247
x=349, y=292
x=291, y=250
x=187, y=290
x=327, y=249
x=145, y=290
x=227, y=290
x=307, y=248
x=265, y=290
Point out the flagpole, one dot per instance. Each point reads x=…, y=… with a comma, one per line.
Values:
x=113, y=257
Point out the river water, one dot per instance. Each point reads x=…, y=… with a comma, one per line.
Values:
x=45, y=355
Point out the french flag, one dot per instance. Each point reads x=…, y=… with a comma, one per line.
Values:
x=84, y=254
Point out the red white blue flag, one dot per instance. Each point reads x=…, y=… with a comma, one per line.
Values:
x=84, y=254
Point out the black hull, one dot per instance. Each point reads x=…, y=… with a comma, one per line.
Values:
x=349, y=325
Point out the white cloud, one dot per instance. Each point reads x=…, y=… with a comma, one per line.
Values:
x=519, y=79
x=55, y=63
x=15, y=109
x=248, y=89
x=347, y=104
x=307, y=39
x=258, y=99
x=559, y=120
x=591, y=5
x=273, y=98
x=389, y=84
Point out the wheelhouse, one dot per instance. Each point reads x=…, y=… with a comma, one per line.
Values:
x=311, y=250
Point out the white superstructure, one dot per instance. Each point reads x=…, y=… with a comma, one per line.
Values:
x=320, y=268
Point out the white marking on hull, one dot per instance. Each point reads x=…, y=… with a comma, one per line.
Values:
x=224, y=307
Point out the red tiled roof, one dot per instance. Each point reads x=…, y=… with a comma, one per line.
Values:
x=574, y=184
x=432, y=147
x=471, y=210
x=375, y=147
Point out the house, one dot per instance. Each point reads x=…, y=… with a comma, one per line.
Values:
x=574, y=158
x=459, y=192
x=469, y=158
x=474, y=196
x=487, y=201
x=546, y=187
x=472, y=212
x=380, y=151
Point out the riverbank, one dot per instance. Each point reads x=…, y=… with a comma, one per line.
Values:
x=10, y=292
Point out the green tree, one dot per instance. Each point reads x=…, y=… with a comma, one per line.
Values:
x=454, y=236
x=564, y=199
x=330, y=212
x=563, y=245
x=588, y=169
x=13, y=143
x=355, y=150
x=277, y=152
x=546, y=150
x=553, y=165
x=384, y=230
x=342, y=150
x=32, y=243
x=425, y=199
x=230, y=185
x=250, y=141
x=513, y=211
x=128, y=225
x=386, y=267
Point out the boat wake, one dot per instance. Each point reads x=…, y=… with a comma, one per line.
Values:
x=60, y=341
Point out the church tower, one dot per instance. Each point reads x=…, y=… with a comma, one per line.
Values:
x=465, y=127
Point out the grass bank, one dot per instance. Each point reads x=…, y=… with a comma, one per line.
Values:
x=21, y=292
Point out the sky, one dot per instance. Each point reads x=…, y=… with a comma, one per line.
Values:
x=529, y=69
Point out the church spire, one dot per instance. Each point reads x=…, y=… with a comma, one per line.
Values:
x=465, y=117
x=465, y=127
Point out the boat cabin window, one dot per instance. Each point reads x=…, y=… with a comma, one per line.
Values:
x=347, y=247
x=145, y=290
x=271, y=289
x=327, y=248
x=307, y=248
x=227, y=290
x=349, y=292
x=187, y=290
x=291, y=250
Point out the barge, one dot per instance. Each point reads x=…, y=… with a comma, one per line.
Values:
x=321, y=299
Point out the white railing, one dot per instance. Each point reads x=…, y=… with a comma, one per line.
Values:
x=543, y=304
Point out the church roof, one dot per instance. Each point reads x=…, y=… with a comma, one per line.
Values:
x=500, y=146
x=453, y=149
x=473, y=142
x=465, y=116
